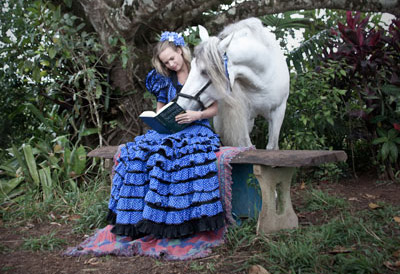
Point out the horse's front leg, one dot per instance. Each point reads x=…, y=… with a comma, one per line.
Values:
x=275, y=119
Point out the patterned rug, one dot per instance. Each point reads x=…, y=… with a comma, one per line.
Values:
x=103, y=242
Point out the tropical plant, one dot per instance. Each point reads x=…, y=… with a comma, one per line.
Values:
x=47, y=163
x=370, y=59
x=46, y=168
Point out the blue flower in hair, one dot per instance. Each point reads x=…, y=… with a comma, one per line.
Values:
x=174, y=37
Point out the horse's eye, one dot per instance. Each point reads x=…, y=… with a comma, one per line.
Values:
x=203, y=72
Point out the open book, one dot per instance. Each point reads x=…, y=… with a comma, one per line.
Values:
x=164, y=120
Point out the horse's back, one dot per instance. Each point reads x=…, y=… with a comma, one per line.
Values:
x=252, y=28
x=254, y=46
x=252, y=24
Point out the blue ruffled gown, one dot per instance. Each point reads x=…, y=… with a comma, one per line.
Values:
x=166, y=185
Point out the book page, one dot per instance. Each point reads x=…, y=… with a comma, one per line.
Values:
x=148, y=113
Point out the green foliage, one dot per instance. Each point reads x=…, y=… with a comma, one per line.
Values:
x=316, y=27
x=12, y=83
x=50, y=60
x=285, y=24
x=308, y=54
x=26, y=208
x=85, y=206
x=313, y=116
x=369, y=65
x=53, y=83
x=45, y=167
x=389, y=141
x=313, y=24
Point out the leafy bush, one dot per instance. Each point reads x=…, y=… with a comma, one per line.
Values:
x=50, y=61
x=313, y=116
x=370, y=61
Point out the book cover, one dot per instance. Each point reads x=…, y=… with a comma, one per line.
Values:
x=164, y=120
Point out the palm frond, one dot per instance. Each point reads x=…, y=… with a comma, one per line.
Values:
x=285, y=22
x=309, y=52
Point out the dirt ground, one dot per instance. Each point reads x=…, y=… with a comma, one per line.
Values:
x=14, y=259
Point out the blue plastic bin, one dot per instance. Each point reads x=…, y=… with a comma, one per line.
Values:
x=246, y=193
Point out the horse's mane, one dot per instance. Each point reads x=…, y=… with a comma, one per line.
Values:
x=209, y=58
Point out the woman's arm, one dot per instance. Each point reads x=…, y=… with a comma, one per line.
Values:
x=159, y=106
x=191, y=116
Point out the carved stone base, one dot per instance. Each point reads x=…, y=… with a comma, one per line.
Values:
x=277, y=211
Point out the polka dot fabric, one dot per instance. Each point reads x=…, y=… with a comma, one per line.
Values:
x=167, y=185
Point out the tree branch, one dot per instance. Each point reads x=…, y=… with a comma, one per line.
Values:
x=260, y=8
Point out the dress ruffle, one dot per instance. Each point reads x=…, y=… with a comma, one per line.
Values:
x=167, y=185
x=159, y=230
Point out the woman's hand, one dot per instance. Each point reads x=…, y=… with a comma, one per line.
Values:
x=191, y=116
x=188, y=117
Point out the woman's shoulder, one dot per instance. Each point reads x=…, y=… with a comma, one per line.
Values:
x=158, y=85
x=156, y=81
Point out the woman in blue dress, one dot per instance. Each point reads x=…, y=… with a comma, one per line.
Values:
x=166, y=185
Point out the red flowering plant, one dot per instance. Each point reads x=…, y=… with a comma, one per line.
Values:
x=370, y=68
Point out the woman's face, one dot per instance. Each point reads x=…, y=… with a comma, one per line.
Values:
x=172, y=60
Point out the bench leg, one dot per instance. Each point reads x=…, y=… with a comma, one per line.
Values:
x=277, y=210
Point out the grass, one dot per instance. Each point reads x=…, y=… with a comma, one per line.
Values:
x=319, y=200
x=44, y=243
x=88, y=205
x=91, y=208
x=4, y=249
x=359, y=242
x=345, y=241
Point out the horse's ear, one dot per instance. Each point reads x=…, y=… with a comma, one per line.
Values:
x=224, y=44
x=203, y=33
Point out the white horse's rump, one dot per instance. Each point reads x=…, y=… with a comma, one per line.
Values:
x=258, y=81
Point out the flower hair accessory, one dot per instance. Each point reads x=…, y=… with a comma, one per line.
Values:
x=173, y=37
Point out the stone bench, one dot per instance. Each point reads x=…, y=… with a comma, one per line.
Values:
x=274, y=170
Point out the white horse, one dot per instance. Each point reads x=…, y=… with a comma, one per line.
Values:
x=245, y=70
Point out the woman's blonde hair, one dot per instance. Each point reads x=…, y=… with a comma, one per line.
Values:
x=160, y=47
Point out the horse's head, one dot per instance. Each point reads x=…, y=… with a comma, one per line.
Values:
x=197, y=93
x=208, y=78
